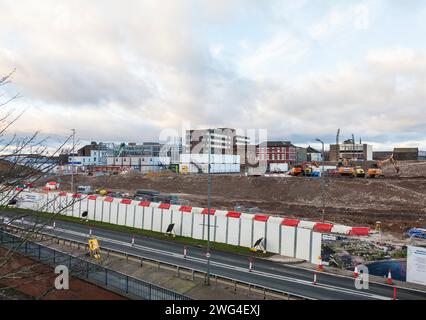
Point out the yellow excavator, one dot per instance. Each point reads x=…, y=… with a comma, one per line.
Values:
x=376, y=170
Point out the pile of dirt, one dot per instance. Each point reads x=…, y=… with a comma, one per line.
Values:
x=408, y=169
x=398, y=202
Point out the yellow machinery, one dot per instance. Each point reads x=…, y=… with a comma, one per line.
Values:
x=359, y=172
x=375, y=171
x=94, y=249
x=347, y=170
x=376, y=168
x=305, y=169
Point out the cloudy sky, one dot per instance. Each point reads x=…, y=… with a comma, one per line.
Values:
x=125, y=70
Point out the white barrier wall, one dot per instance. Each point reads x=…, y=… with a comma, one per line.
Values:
x=221, y=227
x=303, y=242
x=273, y=233
x=139, y=213
x=288, y=241
x=245, y=230
x=240, y=229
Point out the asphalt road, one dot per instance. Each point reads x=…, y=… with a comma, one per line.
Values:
x=266, y=273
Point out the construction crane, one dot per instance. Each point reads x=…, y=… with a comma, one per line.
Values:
x=337, y=144
x=376, y=170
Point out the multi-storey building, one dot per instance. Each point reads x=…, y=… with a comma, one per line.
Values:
x=352, y=151
x=277, y=152
x=222, y=141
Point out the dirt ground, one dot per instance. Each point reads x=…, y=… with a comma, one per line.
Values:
x=37, y=281
x=399, y=202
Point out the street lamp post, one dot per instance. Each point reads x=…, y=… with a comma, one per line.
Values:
x=209, y=189
x=73, y=158
x=322, y=181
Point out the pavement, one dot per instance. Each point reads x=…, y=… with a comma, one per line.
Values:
x=270, y=274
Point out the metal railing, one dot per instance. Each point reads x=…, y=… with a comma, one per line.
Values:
x=89, y=271
x=179, y=268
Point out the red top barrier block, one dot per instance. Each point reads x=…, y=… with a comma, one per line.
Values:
x=77, y=196
x=185, y=209
x=19, y=189
x=164, y=206
x=360, y=231
x=62, y=194
x=323, y=227
x=109, y=199
x=144, y=203
x=233, y=214
x=126, y=201
x=261, y=218
x=290, y=222
x=206, y=211
x=92, y=197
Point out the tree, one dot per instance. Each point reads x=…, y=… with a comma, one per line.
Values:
x=22, y=161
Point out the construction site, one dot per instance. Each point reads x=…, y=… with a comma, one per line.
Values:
x=397, y=200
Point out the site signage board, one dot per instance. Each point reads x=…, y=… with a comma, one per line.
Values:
x=416, y=265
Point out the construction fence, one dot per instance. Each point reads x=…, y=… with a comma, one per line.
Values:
x=287, y=237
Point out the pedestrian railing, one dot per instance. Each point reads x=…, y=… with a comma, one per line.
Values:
x=86, y=270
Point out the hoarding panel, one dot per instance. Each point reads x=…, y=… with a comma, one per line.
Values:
x=303, y=243
x=156, y=223
x=246, y=232
x=198, y=226
x=122, y=213
x=186, y=224
x=233, y=231
x=287, y=240
x=273, y=235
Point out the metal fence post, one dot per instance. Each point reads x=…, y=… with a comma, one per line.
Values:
x=106, y=276
x=54, y=256
x=87, y=269
x=127, y=284
x=26, y=245
x=39, y=252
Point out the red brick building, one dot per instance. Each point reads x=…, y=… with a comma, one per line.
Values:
x=277, y=152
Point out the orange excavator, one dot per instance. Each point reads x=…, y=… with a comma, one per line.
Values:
x=305, y=169
x=376, y=168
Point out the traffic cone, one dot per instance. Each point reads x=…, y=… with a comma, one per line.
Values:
x=356, y=273
x=389, y=280
x=320, y=266
x=250, y=265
